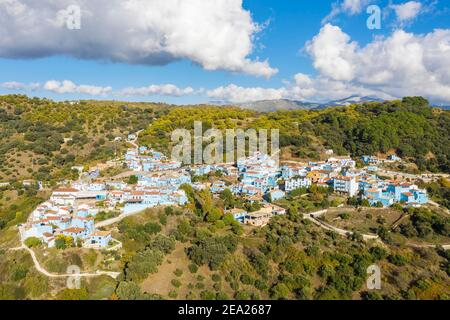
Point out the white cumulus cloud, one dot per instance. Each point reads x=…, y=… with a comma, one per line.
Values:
x=353, y=6
x=398, y=65
x=67, y=86
x=14, y=85
x=302, y=87
x=332, y=53
x=407, y=11
x=164, y=90
x=350, y=7
x=215, y=34
x=234, y=93
x=401, y=64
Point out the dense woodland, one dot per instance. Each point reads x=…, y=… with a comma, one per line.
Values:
x=409, y=127
x=291, y=258
x=43, y=139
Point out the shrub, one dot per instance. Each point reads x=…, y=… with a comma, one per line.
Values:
x=193, y=268
x=178, y=272
x=33, y=242
x=199, y=285
x=200, y=277
x=72, y=294
x=246, y=279
x=216, y=278
x=168, y=211
x=222, y=296
x=242, y=295
x=371, y=295
x=207, y=295
x=378, y=253
x=176, y=283
x=163, y=243
x=62, y=242
x=132, y=180
x=212, y=250
x=344, y=216
x=152, y=228
x=279, y=291
x=397, y=259
x=217, y=286
x=19, y=272
x=143, y=263
x=127, y=290
x=163, y=219
x=261, y=285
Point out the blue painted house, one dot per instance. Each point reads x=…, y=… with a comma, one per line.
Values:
x=100, y=239
x=275, y=195
x=238, y=214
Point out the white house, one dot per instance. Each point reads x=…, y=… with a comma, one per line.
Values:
x=100, y=239
x=347, y=185
x=342, y=161
x=65, y=192
x=295, y=183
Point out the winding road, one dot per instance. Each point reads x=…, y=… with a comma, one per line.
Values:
x=64, y=275
x=326, y=226
x=40, y=269
x=314, y=215
x=114, y=220
x=423, y=176
x=43, y=271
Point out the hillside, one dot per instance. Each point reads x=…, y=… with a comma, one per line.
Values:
x=286, y=104
x=42, y=139
x=409, y=127
x=199, y=251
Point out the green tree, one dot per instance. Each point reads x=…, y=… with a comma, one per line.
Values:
x=228, y=198
x=73, y=294
x=279, y=292
x=32, y=242
x=132, y=180
x=128, y=290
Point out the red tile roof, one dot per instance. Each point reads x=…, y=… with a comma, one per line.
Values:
x=66, y=190
x=74, y=230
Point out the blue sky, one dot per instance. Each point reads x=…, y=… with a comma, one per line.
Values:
x=285, y=28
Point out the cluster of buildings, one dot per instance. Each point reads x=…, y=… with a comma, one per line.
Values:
x=62, y=215
x=258, y=218
x=322, y=173
x=71, y=211
x=340, y=174
x=152, y=189
x=225, y=168
x=386, y=193
x=373, y=161
x=257, y=177
x=146, y=160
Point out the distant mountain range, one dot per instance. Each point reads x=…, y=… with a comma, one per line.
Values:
x=442, y=107
x=285, y=104
x=350, y=100
x=282, y=104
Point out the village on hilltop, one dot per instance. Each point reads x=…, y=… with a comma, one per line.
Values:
x=71, y=210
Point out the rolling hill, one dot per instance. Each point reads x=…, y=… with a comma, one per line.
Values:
x=285, y=104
